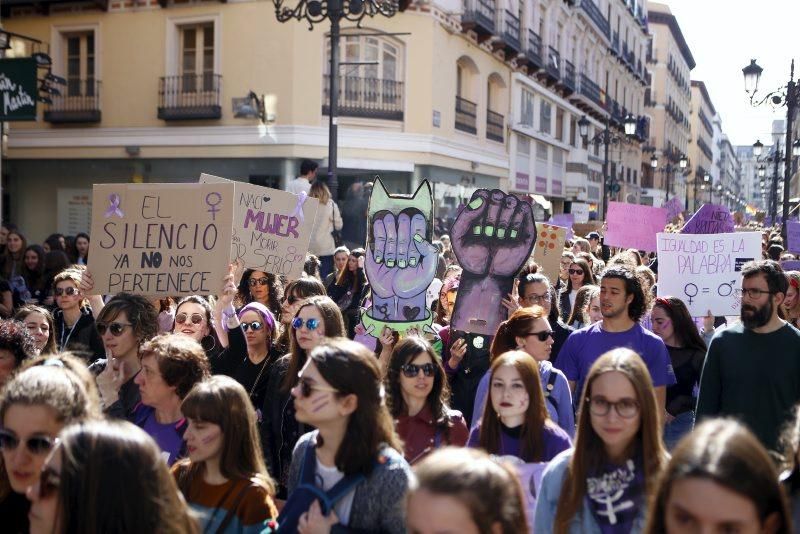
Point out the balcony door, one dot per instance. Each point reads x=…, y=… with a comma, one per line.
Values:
x=197, y=58
x=80, y=64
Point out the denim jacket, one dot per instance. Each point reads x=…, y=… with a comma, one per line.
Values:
x=547, y=502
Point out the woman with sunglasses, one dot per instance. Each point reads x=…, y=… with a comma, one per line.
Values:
x=224, y=479
x=261, y=287
x=353, y=454
x=529, y=331
x=75, y=316
x=580, y=274
x=194, y=318
x=41, y=327
x=34, y=407
x=417, y=395
x=296, y=291
x=515, y=421
x=16, y=346
x=136, y=493
x=350, y=289
x=687, y=352
x=602, y=484
x=124, y=325
x=316, y=318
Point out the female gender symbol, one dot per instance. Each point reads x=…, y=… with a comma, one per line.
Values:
x=212, y=206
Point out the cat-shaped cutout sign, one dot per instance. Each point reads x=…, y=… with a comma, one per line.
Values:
x=401, y=261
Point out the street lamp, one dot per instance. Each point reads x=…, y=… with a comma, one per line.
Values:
x=774, y=156
x=669, y=170
x=788, y=96
x=314, y=12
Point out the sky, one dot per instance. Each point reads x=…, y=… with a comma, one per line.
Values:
x=723, y=36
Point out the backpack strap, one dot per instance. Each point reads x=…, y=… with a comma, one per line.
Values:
x=232, y=510
x=549, y=387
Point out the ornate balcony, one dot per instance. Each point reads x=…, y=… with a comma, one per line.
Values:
x=509, y=35
x=495, y=126
x=568, y=78
x=591, y=90
x=533, y=52
x=479, y=17
x=553, y=66
x=79, y=103
x=594, y=14
x=369, y=98
x=190, y=97
x=466, y=115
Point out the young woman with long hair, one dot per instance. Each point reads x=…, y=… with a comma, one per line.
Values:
x=791, y=304
x=617, y=457
x=16, y=346
x=194, y=317
x=315, y=319
x=340, y=393
x=132, y=489
x=417, y=395
x=224, y=479
x=515, y=421
x=295, y=292
x=580, y=274
x=12, y=260
x=529, y=331
x=350, y=289
x=33, y=272
x=81, y=249
x=687, y=352
x=720, y=479
x=465, y=491
x=578, y=317
x=328, y=220
x=40, y=324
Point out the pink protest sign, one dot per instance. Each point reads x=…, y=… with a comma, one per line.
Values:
x=634, y=226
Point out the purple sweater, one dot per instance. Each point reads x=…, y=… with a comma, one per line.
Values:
x=554, y=440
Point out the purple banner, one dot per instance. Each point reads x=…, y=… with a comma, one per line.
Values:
x=541, y=184
x=523, y=181
x=634, y=226
x=674, y=207
x=710, y=219
x=793, y=235
x=565, y=220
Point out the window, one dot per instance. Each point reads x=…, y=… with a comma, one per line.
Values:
x=197, y=57
x=526, y=108
x=559, y=124
x=545, y=110
x=80, y=63
x=376, y=82
x=541, y=151
x=523, y=146
x=573, y=134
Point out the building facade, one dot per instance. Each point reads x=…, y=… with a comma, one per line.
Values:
x=701, y=145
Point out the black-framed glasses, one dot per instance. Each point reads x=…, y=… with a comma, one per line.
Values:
x=541, y=336
x=49, y=482
x=538, y=298
x=255, y=325
x=196, y=318
x=625, y=408
x=115, y=328
x=411, y=370
x=754, y=293
x=307, y=387
x=575, y=271
x=253, y=282
x=311, y=324
x=69, y=291
x=37, y=445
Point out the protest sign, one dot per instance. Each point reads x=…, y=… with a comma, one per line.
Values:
x=704, y=270
x=710, y=219
x=271, y=228
x=580, y=212
x=549, y=246
x=791, y=265
x=160, y=239
x=634, y=226
x=564, y=220
x=530, y=478
x=793, y=235
x=674, y=207
x=583, y=229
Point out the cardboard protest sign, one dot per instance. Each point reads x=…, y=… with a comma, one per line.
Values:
x=674, y=207
x=634, y=226
x=583, y=229
x=793, y=236
x=704, y=270
x=580, y=212
x=271, y=228
x=549, y=246
x=400, y=262
x=530, y=478
x=710, y=219
x=160, y=239
x=492, y=238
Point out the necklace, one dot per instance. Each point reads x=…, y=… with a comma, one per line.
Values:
x=258, y=377
x=63, y=342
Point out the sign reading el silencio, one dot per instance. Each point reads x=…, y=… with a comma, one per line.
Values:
x=160, y=239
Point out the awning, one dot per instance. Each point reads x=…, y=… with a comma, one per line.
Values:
x=543, y=202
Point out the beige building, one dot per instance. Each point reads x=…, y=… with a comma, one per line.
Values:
x=700, y=151
x=154, y=86
x=668, y=104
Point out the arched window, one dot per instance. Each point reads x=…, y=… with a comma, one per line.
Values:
x=467, y=91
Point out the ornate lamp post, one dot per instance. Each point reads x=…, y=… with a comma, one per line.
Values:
x=669, y=169
x=316, y=11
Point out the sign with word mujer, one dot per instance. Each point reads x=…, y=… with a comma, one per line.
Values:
x=18, y=89
x=704, y=270
x=160, y=239
x=271, y=228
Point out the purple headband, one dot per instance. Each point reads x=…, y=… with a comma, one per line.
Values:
x=261, y=310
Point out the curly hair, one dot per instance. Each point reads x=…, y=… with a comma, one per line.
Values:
x=633, y=286
x=15, y=338
x=274, y=291
x=181, y=361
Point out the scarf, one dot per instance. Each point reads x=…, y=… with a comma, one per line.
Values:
x=616, y=494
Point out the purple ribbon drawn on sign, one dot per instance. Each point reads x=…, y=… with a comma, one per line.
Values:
x=298, y=209
x=114, y=201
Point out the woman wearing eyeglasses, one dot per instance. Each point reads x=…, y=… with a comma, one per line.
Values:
x=75, y=318
x=34, y=407
x=133, y=491
x=353, y=455
x=316, y=318
x=39, y=323
x=529, y=331
x=602, y=484
x=515, y=421
x=124, y=324
x=580, y=274
x=417, y=395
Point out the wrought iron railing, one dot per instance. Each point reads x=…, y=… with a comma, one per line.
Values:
x=534, y=49
x=79, y=101
x=596, y=16
x=553, y=62
x=495, y=126
x=466, y=115
x=511, y=30
x=190, y=96
x=366, y=97
x=480, y=13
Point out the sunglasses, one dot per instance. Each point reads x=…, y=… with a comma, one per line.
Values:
x=69, y=291
x=37, y=445
x=411, y=370
x=253, y=282
x=541, y=336
x=575, y=271
x=196, y=318
x=291, y=299
x=255, y=325
x=307, y=387
x=49, y=482
x=311, y=324
x=116, y=329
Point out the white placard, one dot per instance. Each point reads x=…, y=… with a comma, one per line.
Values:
x=704, y=270
x=580, y=211
x=74, y=207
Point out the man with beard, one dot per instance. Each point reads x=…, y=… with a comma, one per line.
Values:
x=752, y=369
x=623, y=301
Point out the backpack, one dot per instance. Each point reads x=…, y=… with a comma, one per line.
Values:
x=549, y=387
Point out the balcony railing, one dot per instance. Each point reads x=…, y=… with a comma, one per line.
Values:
x=615, y=43
x=494, y=126
x=569, y=75
x=369, y=98
x=534, y=50
x=479, y=16
x=510, y=33
x=78, y=103
x=466, y=115
x=596, y=16
x=591, y=90
x=553, y=63
x=190, y=97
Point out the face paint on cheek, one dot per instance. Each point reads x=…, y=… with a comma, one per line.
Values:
x=209, y=439
x=320, y=402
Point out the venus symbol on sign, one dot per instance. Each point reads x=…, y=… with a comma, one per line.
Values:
x=212, y=205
